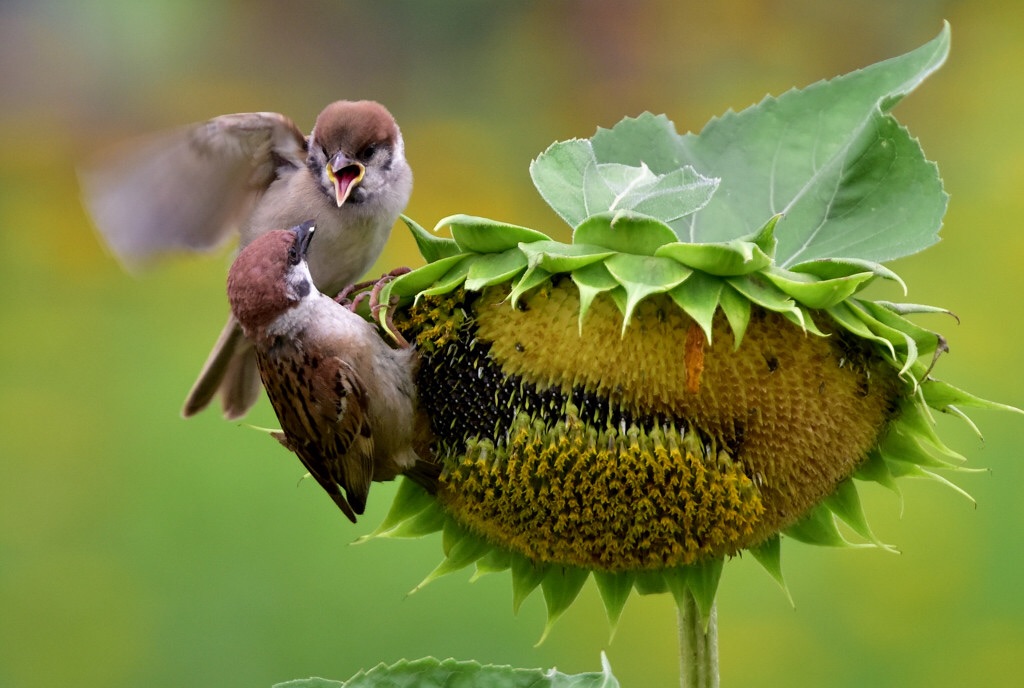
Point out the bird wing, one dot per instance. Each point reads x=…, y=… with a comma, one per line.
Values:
x=188, y=188
x=322, y=406
x=342, y=402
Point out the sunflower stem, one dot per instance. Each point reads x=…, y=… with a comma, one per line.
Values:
x=698, y=644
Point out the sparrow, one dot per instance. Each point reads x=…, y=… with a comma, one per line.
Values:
x=346, y=399
x=189, y=189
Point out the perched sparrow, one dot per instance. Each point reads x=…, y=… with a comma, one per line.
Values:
x=188, y=189
x=345, y=399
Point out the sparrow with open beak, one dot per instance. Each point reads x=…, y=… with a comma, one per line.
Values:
x=346, y=399
x=188, y=189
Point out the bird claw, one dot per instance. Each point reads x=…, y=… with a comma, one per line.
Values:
x=372, y=297
x=389, y=324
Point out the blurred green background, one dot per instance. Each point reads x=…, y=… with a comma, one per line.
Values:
x=140, y=549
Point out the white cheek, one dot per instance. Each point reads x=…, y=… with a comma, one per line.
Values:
x=300, y=282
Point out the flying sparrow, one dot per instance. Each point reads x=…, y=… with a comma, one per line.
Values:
x=254, y=172
x=346, y=399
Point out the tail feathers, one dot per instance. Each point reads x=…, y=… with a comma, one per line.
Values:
x=241, y=386
x=339, y=499
x=230, y=370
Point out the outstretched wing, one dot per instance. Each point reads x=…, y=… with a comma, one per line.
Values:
x=187, y=189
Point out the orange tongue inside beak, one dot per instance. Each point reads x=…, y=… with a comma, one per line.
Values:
x=345, y=179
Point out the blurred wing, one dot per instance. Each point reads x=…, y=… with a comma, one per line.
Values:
x=187, y=189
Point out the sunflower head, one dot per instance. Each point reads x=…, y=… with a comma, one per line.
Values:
x=698, y=372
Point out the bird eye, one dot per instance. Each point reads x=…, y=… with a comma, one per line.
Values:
x=368, y=151
x=293, y=256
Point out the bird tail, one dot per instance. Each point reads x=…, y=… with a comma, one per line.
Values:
x=230, y=370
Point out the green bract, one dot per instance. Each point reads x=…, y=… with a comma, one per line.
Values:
x=787, y=208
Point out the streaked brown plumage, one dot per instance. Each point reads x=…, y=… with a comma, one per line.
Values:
x=254, y=172
x=346, y=400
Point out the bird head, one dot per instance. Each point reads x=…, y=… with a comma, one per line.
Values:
x=357, y=153
x=270, y=276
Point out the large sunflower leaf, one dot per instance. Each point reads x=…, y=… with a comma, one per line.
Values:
x=829, y=157
x=435, y=673
x=577, y=186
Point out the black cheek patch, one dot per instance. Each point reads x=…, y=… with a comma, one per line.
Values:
x=303, y=288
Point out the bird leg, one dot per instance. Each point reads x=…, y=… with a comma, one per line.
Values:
x=389, y=325
x=345, y=298
x=376, y=305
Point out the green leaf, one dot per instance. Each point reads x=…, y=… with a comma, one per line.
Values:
x=906, y=469
x=313, y=682
x=642, y=276
x=558, y=175
x=912, y=308
x=449, y=673
x=698, y=296
x=818, y=528
x=737, y=312
x=845, y=503
x=927, y=343
x=531, y=279
x=560, y=586
x=624, y=232
x=817, y=293
x=847, y=318
x=614, y=589
x=591, y=281
x=492, y=268
x=941, y=395
x=652, y=582
x=647, y=139
x=837, y=268
x=461, y=548
x=667, y=197
x=409, y=500
x=480, y=235
x=769, y=555
x=765, y=294
x=412, y=283
x=494, y=561
x=573, y=182
x=427, y=521
x=850, y=181
x=703, y=581
x=526, y=576
x=431, y=247
x=901, y=340
x=735, y=257
x=555, y=256
x=451, y=279
x=877, y=470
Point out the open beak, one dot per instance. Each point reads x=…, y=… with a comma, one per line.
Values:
x=304, y=235
x=345, y=174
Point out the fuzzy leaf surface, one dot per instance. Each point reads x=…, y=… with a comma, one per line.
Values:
x=576, y=185
x=848, y=179
x=449, y=673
